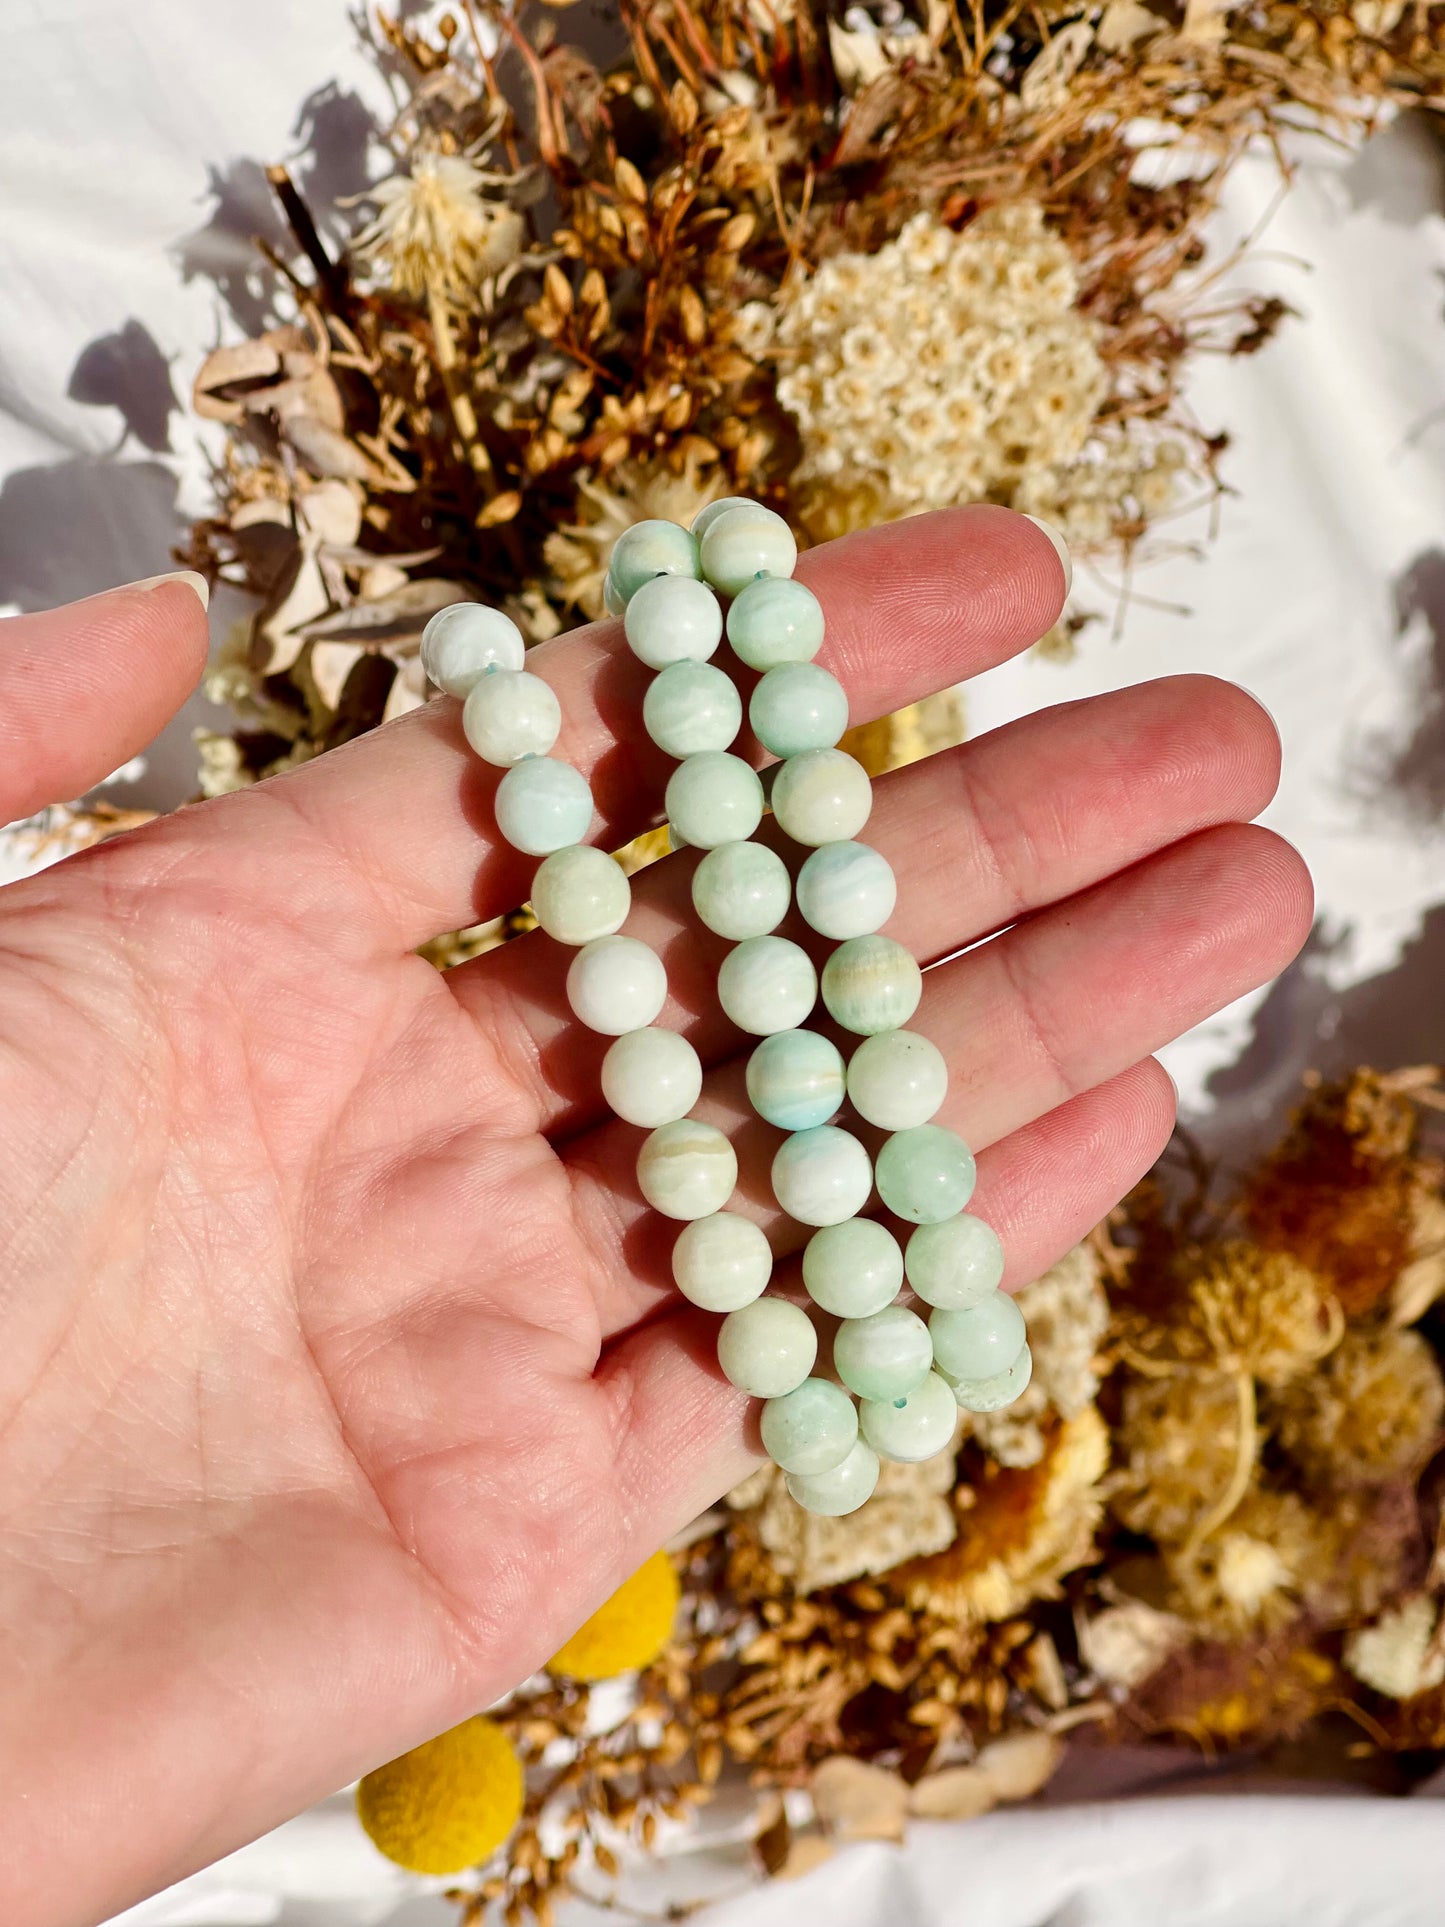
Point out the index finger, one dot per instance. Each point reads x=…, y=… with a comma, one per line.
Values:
x=911, y=607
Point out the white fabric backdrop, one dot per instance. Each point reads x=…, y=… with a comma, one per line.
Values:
x=129, y=144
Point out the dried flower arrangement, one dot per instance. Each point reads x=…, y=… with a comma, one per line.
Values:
x=860, y=264
x=1215, y=1521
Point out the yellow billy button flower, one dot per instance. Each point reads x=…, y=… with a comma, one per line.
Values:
x=629, y=1631
x=446, y=1805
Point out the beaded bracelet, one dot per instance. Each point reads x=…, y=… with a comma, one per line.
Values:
x=910, y=1378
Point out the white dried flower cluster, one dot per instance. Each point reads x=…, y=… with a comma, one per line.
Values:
x=952, y=368
x=441, y=227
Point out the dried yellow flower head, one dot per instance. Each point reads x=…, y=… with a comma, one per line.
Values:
x=1027, y=1527
x=1371, y=1412
x=441, y=228
x=1260, y=1312
x=629, y=1631
x=1177, y=1444
x=447, y=1805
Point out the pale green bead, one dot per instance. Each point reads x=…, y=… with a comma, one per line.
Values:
x=511, y=714
x=980, y=1342
x=613, y=600
x=821, y=1176
x=651, y=1077
x=954, y=1263
x=853, y=1269
x=742, y=543
x=580, y=893
x=722, y=1263
x=648, y=549
x=798, y=706
x=741, y=890
x=912, y=1429
x=775, y=620
x=886, y=1355
x=846, y=890
x=616, y=984
x=542, y=805
x=692, y=707
x=767, y=984
x=926, y=1174
x=822, y=796
x=463, y=641
x=992, y=1394
x=811, y=1429
x=897, y=1079
x=871, y=984
x=795, y=1079
x=844, y=1489
x=687, y=1170
x=705, y=517
x=714, y=798
x=673, y=618
x=767, y=1348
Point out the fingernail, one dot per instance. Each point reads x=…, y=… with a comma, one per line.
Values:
x=1061, y=548
x=191, y=578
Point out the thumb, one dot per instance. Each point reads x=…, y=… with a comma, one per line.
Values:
x=84, y=687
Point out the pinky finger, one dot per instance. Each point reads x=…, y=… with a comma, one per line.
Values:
x=685, y=1436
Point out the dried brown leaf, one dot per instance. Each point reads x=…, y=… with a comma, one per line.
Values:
x=858, y=1801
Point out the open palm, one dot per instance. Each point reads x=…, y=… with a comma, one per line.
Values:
x=340, y=1373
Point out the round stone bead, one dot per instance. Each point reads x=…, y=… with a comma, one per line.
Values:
x=844, y=1489
x=767, y=984
x=926, y=1174
x=846, y=890
x=853, y=1269
x=822, y=796
x=897, y=1079
x=580, y=893
x=822, y=1176
x=463, y=641
x=705, y=517
x=775, y=620
x=741, y=890
x=616, y=984
x=511, y=714
x=542, y=805
x=767, y=1348
x=648, y=549
x=798, y=706
x=980, y=1342
x=742, y=543
x=795, y=1079
x=914, y=1428
x=722, y=1263
x=813, y=1428
x=714, y=798
x=651, y=1077
x=992, y=1394
x=886, y=1355
x=954, y=1263
x=612, y=598
x=688, y=1170
x=691, y=707
x=673, y=618
x=871, y=984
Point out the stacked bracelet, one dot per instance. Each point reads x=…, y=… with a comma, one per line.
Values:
x=909, y=1377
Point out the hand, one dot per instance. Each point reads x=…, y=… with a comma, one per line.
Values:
x=341, y=1375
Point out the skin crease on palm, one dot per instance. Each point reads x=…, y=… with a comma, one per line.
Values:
x=340, y=1372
